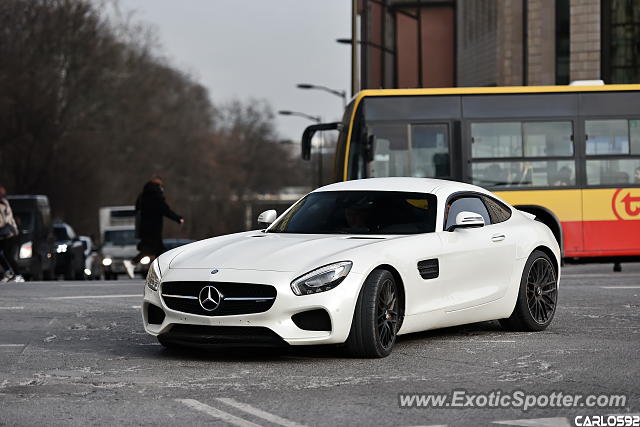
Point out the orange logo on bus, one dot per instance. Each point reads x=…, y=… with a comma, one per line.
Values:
x=626, y=203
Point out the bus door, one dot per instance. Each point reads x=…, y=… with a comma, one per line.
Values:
x=419, y=149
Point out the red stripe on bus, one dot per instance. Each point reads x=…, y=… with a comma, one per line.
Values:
x=601, y=238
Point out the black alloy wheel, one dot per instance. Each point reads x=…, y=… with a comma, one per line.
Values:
x=542, y=290
x=387, y=314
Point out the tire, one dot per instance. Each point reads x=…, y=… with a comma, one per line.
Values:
x=36, y=270
x=376, y=317
x=68, y=271
x=537, y=297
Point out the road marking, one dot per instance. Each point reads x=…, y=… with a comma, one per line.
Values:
x=95, y=297
x=12, y=308
x=12, y=345
x=537, y=422
x=267, y=416
x=619, y=287
x=217, y=413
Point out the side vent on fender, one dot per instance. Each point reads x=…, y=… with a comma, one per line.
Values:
x=429, y=268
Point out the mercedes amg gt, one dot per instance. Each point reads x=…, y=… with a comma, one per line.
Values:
x=358, y=263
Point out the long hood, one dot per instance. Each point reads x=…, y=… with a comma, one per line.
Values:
x=255, y=250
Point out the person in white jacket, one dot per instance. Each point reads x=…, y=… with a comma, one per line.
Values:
x=9, y=242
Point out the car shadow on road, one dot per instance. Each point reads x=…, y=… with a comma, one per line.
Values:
x=286, y=354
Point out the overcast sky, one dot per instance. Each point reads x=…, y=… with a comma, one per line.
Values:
x=258, y=49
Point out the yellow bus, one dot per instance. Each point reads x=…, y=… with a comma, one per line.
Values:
x=568, y=154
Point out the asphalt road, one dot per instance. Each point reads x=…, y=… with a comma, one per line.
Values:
x=74, y=353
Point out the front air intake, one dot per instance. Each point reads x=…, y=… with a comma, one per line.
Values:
x=313, y=320
x=155, y=315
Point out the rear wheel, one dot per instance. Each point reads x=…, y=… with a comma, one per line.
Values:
x=376, y=317
x=538, y=295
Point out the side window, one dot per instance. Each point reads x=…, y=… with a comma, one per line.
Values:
x=468, y=204
x=498, y=211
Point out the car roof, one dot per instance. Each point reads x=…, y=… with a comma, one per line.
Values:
x=407, y=184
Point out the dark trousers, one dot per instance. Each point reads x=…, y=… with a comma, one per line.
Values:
x=8, y=251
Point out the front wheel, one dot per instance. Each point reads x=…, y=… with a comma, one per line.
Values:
x=376, y=317
x=538, y=295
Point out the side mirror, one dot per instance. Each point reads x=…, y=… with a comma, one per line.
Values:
x=267, y=217
x=467, y=220
x=308, y=133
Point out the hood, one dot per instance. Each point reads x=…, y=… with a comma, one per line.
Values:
x=255, y=250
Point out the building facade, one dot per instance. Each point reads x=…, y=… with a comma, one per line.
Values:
x=433, y=43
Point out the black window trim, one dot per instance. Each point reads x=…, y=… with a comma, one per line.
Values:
x=475, y=194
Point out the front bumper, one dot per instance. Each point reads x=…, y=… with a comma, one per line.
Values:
x=339, y=303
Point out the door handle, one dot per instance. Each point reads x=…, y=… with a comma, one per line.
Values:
x=498, y=237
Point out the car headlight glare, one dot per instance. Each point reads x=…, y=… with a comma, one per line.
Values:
x=153, y=276
x=61, y=248
x=107, y=262
x=321, y=279
x=26, y=250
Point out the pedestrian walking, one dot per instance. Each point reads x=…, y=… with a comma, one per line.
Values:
x=9, y=241
x=151, y=208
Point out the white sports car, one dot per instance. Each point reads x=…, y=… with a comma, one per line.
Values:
x=359, y=263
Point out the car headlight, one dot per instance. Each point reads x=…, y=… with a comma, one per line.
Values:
x=61, y=248
x=153, y=277
x=26, y=250
x=107, y=262
x=321, y=279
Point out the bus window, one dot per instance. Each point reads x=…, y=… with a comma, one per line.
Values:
x=506, y=139
x=548, y=139
x=634, y=129
x=429, y=151
x=543, y=173
x=613, y=171
x=607, y=136
x=391, y=155
x=496, y=140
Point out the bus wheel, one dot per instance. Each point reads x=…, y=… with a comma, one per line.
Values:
x=538, y=295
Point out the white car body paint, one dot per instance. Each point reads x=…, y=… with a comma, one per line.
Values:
x=479, y=268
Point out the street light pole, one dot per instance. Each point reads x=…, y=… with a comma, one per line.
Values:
x=341, y=93
x=316, y=119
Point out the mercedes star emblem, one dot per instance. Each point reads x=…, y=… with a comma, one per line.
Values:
x=209, y=298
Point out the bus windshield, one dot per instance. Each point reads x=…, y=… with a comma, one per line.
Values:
x=360, y=212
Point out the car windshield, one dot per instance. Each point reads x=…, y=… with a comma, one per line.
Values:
x=60, y=233
x=360, y=212
x=24, y=220
x=120, y=238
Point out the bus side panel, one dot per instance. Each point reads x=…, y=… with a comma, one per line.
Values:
x=566, y=205
x=611, y=222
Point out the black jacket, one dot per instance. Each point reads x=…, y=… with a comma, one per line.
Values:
x=150, y=208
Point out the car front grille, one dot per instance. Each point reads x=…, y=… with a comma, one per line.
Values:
x=236, y=298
